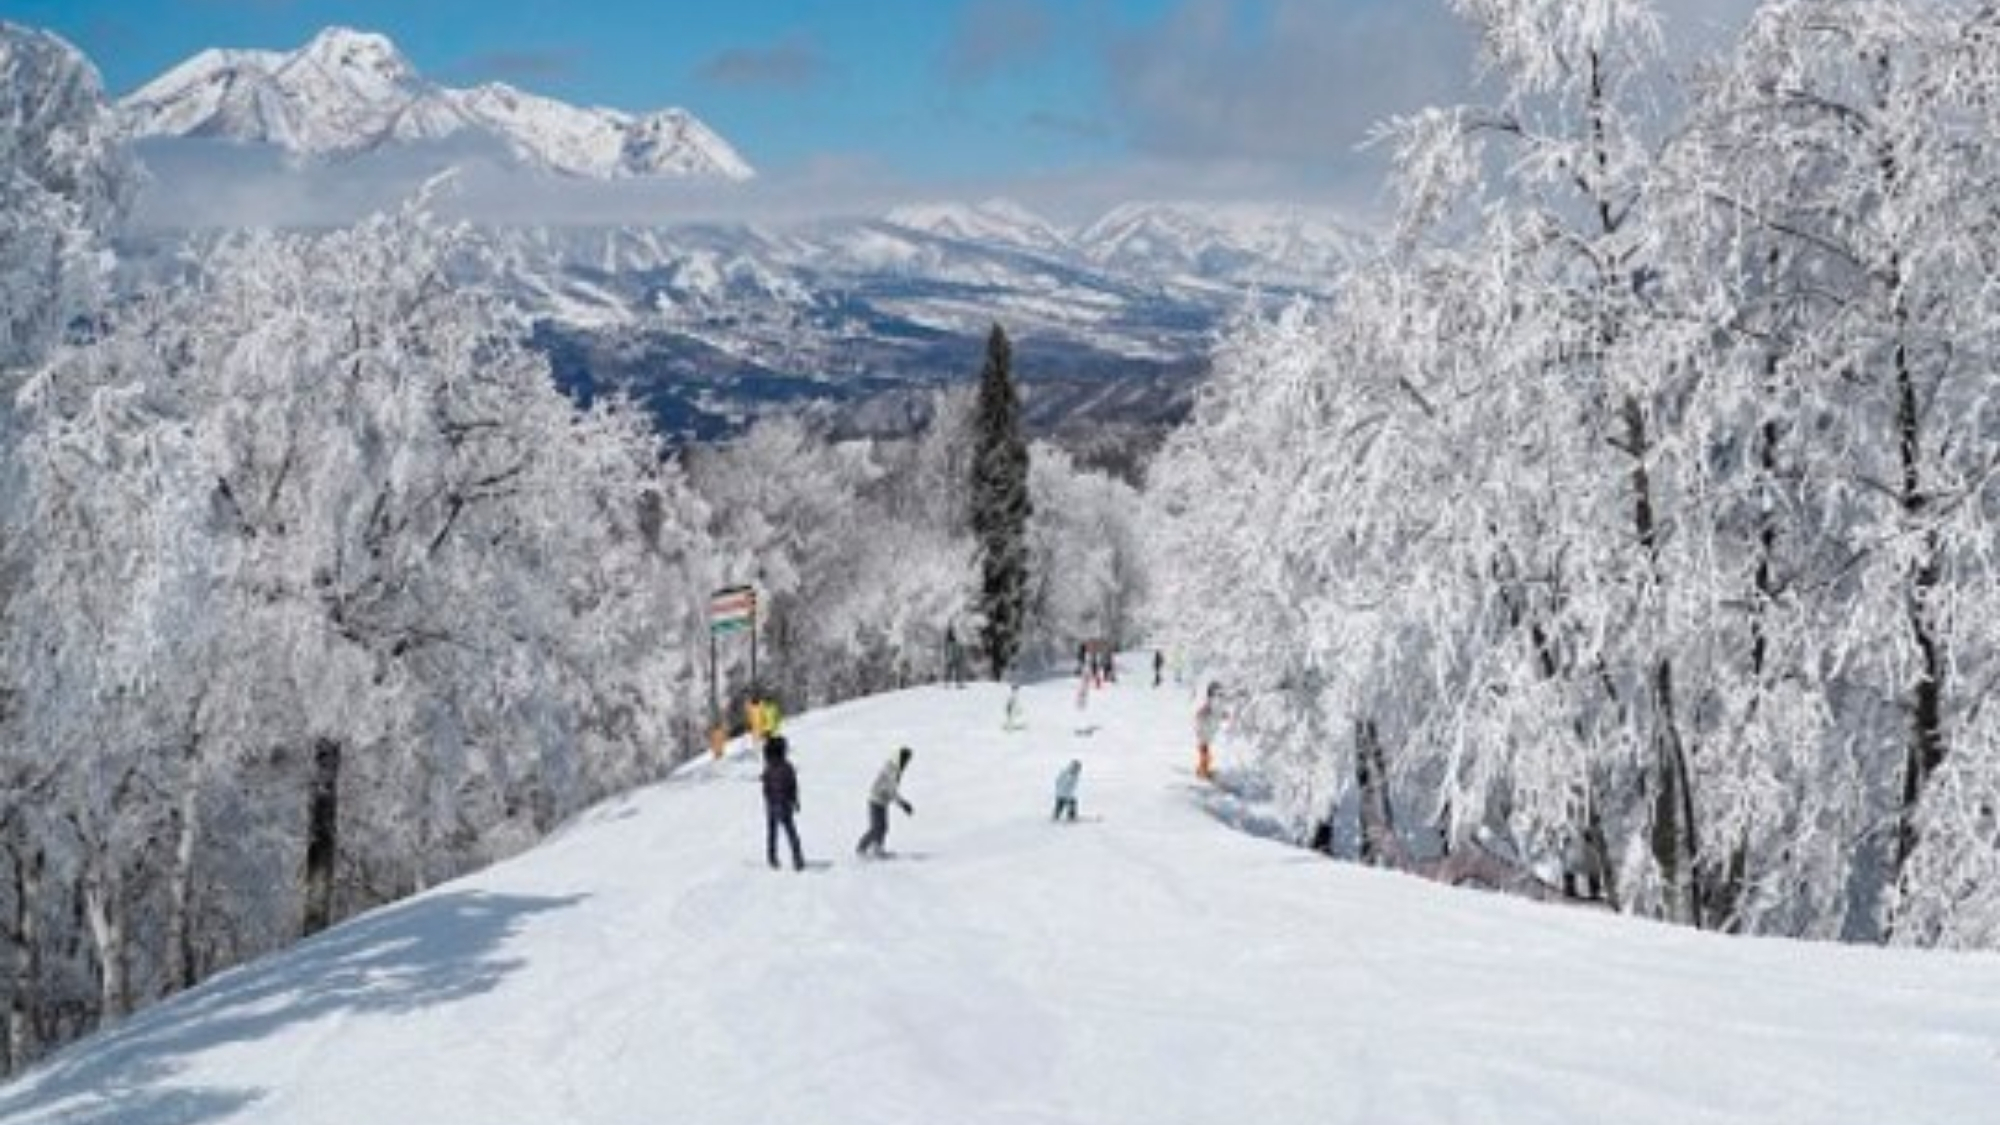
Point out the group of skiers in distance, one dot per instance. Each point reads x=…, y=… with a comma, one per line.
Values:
x=1096, y=667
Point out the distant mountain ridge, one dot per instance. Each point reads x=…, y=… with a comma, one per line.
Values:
x=713, y=324
x=350, y=92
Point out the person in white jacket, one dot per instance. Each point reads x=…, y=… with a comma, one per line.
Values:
x=1066, y=790
x=886, y=791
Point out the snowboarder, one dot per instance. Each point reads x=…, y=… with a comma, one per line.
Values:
x=1066, y=790
x=1013, y=719
x=886, y=791
x=781, y=802
x=1207, y=721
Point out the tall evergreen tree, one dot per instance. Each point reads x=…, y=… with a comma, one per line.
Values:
x=1000, y=505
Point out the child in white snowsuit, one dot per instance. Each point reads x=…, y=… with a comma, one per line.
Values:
x=1066, y=790
x=886, y=791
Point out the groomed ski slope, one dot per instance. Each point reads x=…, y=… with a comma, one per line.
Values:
x=1154, y=966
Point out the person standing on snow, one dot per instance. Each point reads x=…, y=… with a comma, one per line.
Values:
x=886, y=791
x=1207, y=721
x=1012, y=719
x=781, y=802
x=1159, y=666
x=1066, y=790
x=755, y=719
x=954, y=658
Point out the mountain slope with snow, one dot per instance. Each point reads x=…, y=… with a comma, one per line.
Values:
x=1148, y=965
x=349, y=92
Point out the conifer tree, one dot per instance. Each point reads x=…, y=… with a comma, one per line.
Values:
x=1000, y=505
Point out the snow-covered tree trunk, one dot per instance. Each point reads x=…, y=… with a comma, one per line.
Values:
x=178, y=938
x=24, y=972
x=104, y=912
x=322, y=834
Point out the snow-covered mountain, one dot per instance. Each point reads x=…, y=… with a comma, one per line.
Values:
x=712, y=324
x=349, y=92
x=1148, y=964
x=996, y=222
x=1232, y=243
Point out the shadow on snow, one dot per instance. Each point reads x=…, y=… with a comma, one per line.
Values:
x=433, y=951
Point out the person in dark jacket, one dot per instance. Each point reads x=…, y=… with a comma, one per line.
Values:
x=781, y=802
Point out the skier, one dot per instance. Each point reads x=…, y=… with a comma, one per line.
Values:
x=1207, y=720
x=886, y=791
x=1013, y=719
x=781, y=802
x=1066, y=790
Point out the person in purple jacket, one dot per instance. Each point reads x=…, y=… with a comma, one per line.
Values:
x=781, y=802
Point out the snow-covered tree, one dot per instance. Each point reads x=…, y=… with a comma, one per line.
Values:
x=1085, y=567
x=65, y=180
x=1000, y=505
x=327, y=554
x=1638, y=510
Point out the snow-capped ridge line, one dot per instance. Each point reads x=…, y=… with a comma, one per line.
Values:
x=347, y=92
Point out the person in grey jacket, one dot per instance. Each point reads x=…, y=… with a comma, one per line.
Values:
x=1066, y=790
x=886, y=791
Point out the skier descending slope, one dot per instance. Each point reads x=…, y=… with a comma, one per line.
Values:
x=886, y=791
x=781, y=801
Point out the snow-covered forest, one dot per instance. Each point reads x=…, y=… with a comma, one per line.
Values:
x=1627, y=524
x=1637, y=511
x=318, y=591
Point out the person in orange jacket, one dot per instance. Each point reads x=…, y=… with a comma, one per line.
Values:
x=1207, y=721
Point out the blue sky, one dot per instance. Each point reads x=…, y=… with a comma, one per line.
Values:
x=926, y=89
x=1130, y=97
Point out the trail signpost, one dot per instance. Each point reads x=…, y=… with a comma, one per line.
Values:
x=731, y=610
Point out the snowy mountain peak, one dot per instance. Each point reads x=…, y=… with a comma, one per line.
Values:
x=364, y=54
x=348, y=92
x=995, y=221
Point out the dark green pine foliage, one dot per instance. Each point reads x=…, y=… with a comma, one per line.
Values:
x=1000, y=505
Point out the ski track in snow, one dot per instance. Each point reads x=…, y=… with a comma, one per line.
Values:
x=1154, y=966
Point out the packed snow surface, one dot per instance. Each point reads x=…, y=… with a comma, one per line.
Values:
x=1149, y=964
